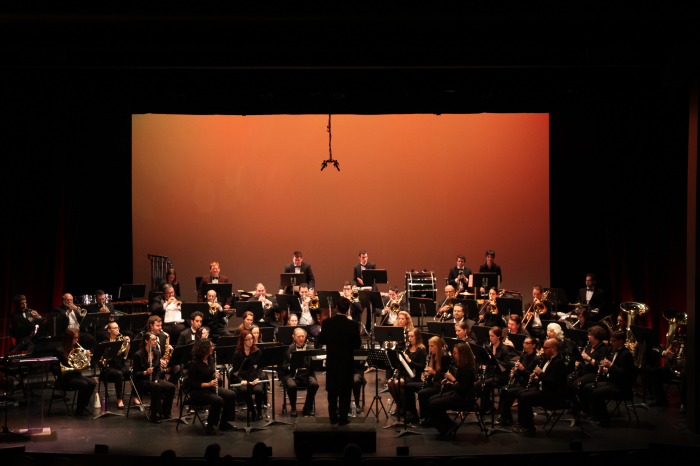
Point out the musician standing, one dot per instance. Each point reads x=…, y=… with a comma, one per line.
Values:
x=115, y=367
x=591, y=294
x=363, y=265
x=299, y=377
x=491, y=267
x=520, y=374
x=341, y=337
x=149, y=378
x=74, y=379
x=70, y=313
x=547, y=388
x=458, y=277
x=213, y=277
x=618, y=374
x=188, y=336
x=271, y=309
x=390, y=316
x=204, y=381
x=298, y=266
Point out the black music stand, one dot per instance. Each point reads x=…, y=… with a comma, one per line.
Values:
x=508, y=306
x=128, y=292
x=371, y=300
x=244, y=367
x=273, y=357
x=285, y=335
x=370, y=277
x=290, y=280
x=328, y=299
x=227, y=341
x=187, y=309
x=485, y=280
x=256, y=307
x=224, y=292
x=485, y=357
x=267, y=334
x=397, y=361
x=92, y=321
x=482, y=334
x=289, y=303
x=378, y=360
x=579, y=337
x=643, y=335
x=421, y=308
x=443, y=329
x=451, y=342
x=517, y=340
x=107, y=351
x=134, y=322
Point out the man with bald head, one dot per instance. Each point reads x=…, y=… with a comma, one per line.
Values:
x=69, y=316
x=547, y=387
x=271, y=309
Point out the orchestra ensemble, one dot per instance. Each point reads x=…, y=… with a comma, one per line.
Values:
x=576, y=356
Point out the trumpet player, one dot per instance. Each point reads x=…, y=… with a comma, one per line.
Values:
x=115, y=367
x=271, y=309
x=355, y=312
x=74, y=379
x=72, y=316
x=23, y=321
x=308, y=316
x=101, y=305
x=213, y=277
x=218, y=317
x=390, y=316
x=459, y=275
x=148, y=378
x=168, y=307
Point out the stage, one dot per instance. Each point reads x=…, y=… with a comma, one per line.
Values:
x=134, y=436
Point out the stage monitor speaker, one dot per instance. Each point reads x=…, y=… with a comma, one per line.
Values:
x=327, y=438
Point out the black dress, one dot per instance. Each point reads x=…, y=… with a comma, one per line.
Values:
x=225, y=400
x=461, y=397
x=236, y=376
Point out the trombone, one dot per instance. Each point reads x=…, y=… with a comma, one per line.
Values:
x=394, y=306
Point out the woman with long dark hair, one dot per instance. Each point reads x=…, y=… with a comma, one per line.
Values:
x=203, y=380
x=149, y=378
x=73, y=378
x=171, y=279
x=249, y=378
x=495, y=376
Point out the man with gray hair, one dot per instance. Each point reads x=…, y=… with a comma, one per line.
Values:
x=296, y=377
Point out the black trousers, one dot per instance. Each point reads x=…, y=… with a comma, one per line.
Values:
x=358, y=380
x=221, y=407
x=162, y=394
x=116, y=376
x=339, y=405
x=438, y=407
x=174, y=330
x=488, y=386
x=424, y=395
x=661, y=375
x=598, y=397
x=533, y=397
x=257, y=392
x=580, y=391
x=87, y=341
x=508, y=397
x=83, y=385
x=311, y=390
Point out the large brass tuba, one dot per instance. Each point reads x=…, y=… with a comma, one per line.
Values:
x=675, y=341
x=78, y=359
x=637, y=349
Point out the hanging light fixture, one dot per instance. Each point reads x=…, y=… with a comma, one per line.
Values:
x=330, y=160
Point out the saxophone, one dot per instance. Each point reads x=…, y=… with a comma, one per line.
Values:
x=167, y=353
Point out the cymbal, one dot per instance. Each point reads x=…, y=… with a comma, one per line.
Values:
x=580, y=305
x=467, y=293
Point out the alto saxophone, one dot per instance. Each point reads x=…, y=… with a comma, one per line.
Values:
x=167, y=353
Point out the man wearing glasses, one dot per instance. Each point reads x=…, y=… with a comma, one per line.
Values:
x=520, y=374
x=546, y=388
x=617, y=376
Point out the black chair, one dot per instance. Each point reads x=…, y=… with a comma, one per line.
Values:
x=462, y=416
x=63, y=392
x=187, y=401
x=142, y=407
x=558, y=410
x=299, y=389
x=627, y=400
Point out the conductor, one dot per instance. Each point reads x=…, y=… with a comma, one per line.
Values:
x=341, y=337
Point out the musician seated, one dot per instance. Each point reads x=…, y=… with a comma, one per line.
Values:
x=617, y=377
x=547, y=388
x=458, y=388
x=71, y=316
x=149, y=378
x=188, y=336
x=404, y=321
x=444, y=314
x=255, y=330
x=249, y=379
x=218, y=315
x=567, y=348
x=202, y=333
x=303, y=377
x=247, y=323
x=164, y=346
x=293, y=320
x=496, y=375
x=203, y=380
x=665, y=374
x=519, y=376
x=72, y=378
x=416, y=355
x=115, y=369
x=515, y=326
x=389, y=315
x=584, y=320
x=271, y=309
x=458, y=315
x=167, y=307
x=464, y=332
x=586, y=370
x=432, y=377
x=308, y=316
x=621, y=322
x=487, y=318
x=101, y=305
x=355, y=306
x=533, y=320
x=170, y=279
x=23, y=321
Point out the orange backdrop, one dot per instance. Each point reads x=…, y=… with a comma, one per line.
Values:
x=413, y=190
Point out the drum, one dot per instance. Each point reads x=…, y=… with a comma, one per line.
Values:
x=421, y=285
x=108, y=298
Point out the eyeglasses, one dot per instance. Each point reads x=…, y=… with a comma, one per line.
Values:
x=249, y=338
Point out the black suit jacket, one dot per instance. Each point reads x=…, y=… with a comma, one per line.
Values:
x=157, y=304
x=554, y=378
x=269, y=315
x=185, y=337
x=341, y=337
x=287, y=365
x=202, y=293
x=454, y=273
x=140, y=364
x=495, y=268
x=622, y=374
x=357, y=273
x=305, y=269
x=596, y=300
x=20, y=325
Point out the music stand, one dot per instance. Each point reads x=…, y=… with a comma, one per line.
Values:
x=224, y=292
x=482, y=334
x=485, y=357
x=187, y=309
x=267, y=334
x=128, y=292
x=370, y=277
x=443, y=329
x=285, y=335
x=288, y=280
x=517, y=341
x=227, y=341
x=288, y=303
x=451, y=342
x=249, y=394
x=512, y=305
x=421, y=308
x=273, y=357
x=134, y=322
x=106, y=350
x=378, y=360
x=397, y=361
x=329, y=298
x=256, y=307
x=371, y=300
x=580, y=337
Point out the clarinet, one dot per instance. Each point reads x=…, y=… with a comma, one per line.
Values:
x=442, y=385
x=150, y=362
x=216, y=375
x=540, y=365
x=512, y=373
x=427, y=365
x=600, y=369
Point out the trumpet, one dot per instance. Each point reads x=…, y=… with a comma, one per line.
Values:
x=355, y=295
x=78, y=310
x=267, y=304
x=213, y=307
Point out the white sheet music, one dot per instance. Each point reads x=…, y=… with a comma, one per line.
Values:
x=409, y=371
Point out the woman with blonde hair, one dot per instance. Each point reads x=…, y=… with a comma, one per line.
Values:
x=415, y=356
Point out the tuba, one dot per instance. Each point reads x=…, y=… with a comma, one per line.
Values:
x=675, y=341
x=78, y=359
x=637, y=349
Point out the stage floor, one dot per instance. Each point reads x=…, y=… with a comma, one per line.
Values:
x=135, y=436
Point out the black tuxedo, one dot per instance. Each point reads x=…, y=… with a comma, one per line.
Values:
x=495, y=268
x=551, y=394
x=269, y=315
x=596, y=301
x=305, y=269
x=303, y=378
x=357, y=273
x=454, y=274
x=341, y=337
x=202, y=293
x=93, y=308
x=185, y=337
x=20, y=325
x=616, y=385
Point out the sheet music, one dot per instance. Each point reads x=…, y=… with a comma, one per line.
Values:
x=409, y=371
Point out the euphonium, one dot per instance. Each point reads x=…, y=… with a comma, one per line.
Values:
x=636, y=348
x=675, y=342
x=78, y=359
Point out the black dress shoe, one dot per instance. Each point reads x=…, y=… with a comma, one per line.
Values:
x=344, y=422
x=121, y=407
x=209, y=429
x=155, y=419
x=81, y=412
x=294, y=413
x=334, y=420
x=224, y=426
x=451, y=431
